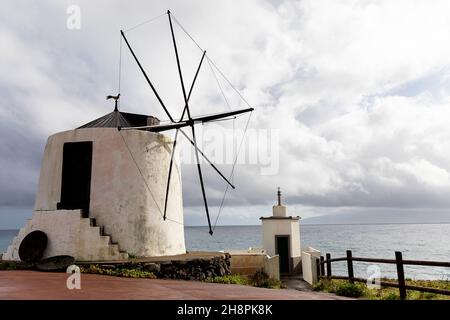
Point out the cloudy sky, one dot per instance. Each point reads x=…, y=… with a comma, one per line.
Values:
x=352, y=97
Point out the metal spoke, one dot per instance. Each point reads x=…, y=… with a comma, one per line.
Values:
x=146, y=77
x=206, y=158
x=176, y=135
x=191, y=124
x=170, y=173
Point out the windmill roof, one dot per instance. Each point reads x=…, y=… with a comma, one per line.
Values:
x=121, y=119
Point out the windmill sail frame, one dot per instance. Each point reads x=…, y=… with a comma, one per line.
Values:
x=178, y=125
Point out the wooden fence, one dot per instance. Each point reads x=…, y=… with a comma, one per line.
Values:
x=399, y=262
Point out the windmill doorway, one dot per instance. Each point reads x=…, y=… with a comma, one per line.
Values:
x=76, y=176
x=282, y=249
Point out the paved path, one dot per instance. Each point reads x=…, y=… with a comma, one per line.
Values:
x=42, y=285
x=296, y=283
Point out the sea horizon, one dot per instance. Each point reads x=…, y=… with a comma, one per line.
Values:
x=309, y=224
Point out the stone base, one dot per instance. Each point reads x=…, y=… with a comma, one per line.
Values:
x=185, y=268
x=68, y=234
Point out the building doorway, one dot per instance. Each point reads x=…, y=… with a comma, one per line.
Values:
x=282, y=249
x=76, y=176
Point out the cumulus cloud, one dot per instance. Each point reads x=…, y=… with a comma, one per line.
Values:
x=359, y=92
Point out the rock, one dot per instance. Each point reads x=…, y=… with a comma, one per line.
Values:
x=182, y=274
x=108, y=266
x=195, y=269
x=139, y=267
x=152, y=267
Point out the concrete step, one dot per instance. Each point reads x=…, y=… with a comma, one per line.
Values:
x=105, y=238
x=101, y=244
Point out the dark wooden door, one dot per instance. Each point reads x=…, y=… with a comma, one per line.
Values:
x=282, y=249
x=76, y=176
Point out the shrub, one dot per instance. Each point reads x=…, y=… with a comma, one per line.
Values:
x=128, y=273
x=425, y=295
x=343, y=287
x=229, y=279
x=261, y=279
x=391, y=296
x=133, y=273
x=8, y=265
x=348, y=289
x=13, y=265
x=326, y=285
x=319, y=286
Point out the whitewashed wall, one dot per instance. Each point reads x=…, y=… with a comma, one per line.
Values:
x=120, y=199
x=272, y=227
x=309, y=265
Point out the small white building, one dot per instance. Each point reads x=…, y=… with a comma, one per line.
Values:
x=281, y=236
x=101, y=193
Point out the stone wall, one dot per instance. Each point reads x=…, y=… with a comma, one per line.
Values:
x=197, y=269
x=193, y=269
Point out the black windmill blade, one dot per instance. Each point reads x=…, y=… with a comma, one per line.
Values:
x=194, y=120
x=191, y=124
x=146, y=77
x=176, y=136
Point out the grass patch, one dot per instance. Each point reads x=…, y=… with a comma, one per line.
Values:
x=230, y=279
x=262, y=280
x=360, y=290
x=347, y=289
x=259, y=279
x=128, y=273
x=12, y=265
x=341, y=288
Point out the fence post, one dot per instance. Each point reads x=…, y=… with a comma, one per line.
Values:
x=318, y=268
x=328, y=265
x=350, y=266
x=400, y=275
x=322, y=266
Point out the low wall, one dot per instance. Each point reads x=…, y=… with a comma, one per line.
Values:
x=182, y=268
x=248, y=263
x=309, y=265
x=272, y=267
x=197, y=269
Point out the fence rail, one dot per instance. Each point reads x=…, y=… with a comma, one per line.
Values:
x=398, y=261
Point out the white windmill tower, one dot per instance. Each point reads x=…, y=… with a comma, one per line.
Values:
x=112, y=187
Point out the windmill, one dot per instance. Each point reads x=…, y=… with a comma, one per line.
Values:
x=186, y=120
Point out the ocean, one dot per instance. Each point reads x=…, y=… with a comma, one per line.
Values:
x=415, y=241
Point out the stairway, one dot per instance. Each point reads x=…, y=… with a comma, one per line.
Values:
x=69, y=234
x=107, y=238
